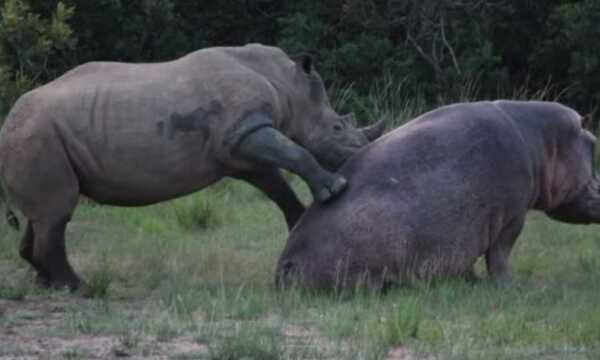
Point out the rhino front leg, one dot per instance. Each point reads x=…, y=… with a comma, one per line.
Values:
x=267, y=146
x=498, y=255
x=277, y=189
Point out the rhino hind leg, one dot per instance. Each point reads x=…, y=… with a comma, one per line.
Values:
x=498, y=255
x=50, y=254
x=268, y=146
x=26, y=251
x=45, y=187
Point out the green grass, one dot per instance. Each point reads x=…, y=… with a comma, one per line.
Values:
x=247, y=341
x=156, y=280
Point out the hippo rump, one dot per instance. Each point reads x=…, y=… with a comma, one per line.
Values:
x=431, y=197
x=137, y=134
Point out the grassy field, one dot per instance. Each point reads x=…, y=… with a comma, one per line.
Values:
x=193, y=279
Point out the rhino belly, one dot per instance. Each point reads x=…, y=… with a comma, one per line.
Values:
x=141, y=164
x=147, y=183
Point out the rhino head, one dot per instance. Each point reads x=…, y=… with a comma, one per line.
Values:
x=330, y=137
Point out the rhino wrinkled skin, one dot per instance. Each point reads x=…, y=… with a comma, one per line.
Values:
x=137, y=134
x=429, y=198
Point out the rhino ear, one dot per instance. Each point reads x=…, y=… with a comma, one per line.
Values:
x=304, y=62
x=350, y=119
x=587, y=122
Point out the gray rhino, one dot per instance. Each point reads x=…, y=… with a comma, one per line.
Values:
x=137, y=134
x=431, y=197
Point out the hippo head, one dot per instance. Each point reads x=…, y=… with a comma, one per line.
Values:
x=302, y=266
x=577, y=187
x=329, y=262
x=317, y=252
x=330, y=137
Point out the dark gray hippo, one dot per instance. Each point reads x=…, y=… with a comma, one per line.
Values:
x=136, y=134
x=429, y=198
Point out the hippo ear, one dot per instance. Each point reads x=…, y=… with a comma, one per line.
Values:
x=304, y=62
x=587, y=122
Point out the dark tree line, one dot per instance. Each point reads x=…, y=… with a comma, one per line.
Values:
x=495, y=47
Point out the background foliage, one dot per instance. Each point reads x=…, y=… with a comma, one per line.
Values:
x=436, y=49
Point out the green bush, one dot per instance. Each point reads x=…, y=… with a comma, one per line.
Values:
x=30, y=48
x=443, y=51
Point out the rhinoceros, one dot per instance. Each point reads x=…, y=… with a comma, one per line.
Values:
x=429, y=198
x=136, y=134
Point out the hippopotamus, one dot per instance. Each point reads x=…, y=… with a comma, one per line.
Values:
x=136, y=134
x=429, y=198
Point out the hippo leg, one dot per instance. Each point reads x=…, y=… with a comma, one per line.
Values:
x=26, y=252
x=497, y=256
x=50, y=253
x=277, y=189
x=268, y=146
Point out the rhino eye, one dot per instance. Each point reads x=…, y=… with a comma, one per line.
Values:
x=338, y=127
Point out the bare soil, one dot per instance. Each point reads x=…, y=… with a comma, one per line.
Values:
x=31, y=330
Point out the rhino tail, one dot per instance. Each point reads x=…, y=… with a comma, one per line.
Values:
x=11, y=218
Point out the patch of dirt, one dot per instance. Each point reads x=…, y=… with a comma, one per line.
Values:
x=40, y=327
x=30, y=329
x=399, y=353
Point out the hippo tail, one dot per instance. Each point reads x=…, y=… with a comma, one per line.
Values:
x=11, y=217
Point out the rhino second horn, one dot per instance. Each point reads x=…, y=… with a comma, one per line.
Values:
x=374, y=131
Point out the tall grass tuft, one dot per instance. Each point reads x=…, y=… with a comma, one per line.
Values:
x=390, y=99
x=197, y=212
x=402, y=323
x=99, y=280
x=588, y=332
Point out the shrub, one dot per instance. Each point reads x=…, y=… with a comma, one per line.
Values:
x=30, y=48
x=197, y=212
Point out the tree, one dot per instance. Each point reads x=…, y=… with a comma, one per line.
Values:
x=28, y=46
x=578, y=32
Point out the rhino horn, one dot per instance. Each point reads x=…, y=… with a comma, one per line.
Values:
x=374, y=131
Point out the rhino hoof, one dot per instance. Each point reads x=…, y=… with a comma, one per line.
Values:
x=339, y=185
x=335, y=187
x=323, y=195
